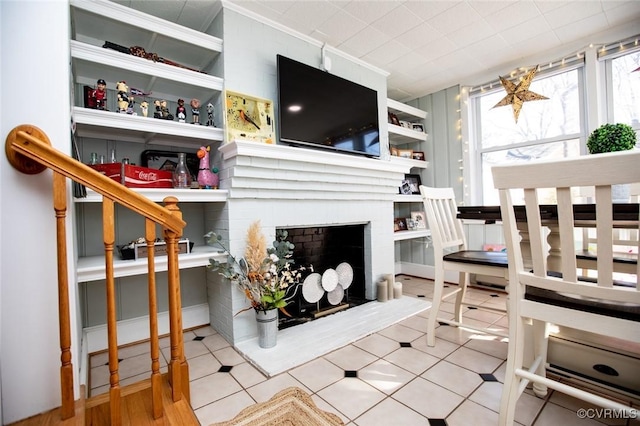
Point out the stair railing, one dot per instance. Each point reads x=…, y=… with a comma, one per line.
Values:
x=29, y=150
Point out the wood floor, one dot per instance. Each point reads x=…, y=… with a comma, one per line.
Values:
x=136, y=410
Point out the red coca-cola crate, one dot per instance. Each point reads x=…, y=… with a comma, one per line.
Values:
x=136, y=176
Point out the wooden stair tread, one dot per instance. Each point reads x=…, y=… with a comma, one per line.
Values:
x=135, y=405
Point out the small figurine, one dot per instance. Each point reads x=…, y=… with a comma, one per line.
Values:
x=123, y=96
x=166, y=115
x=210, y=114
x=144, y=108
x=100, y=95
x=130, y=106
x=207, y=178
x=162, y=111
x=195, y=111
x=181, y=111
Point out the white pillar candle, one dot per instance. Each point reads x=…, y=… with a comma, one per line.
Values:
x=390, y=280
x=397, y=290
x=383, y=293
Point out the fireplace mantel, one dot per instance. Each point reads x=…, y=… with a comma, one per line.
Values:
x=257, y=170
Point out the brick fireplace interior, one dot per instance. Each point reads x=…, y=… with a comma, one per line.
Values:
x=325, y=248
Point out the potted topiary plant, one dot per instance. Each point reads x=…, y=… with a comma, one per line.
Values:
x=611, y=137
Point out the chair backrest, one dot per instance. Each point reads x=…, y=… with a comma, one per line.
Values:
x=441, y=210
x=599, y=171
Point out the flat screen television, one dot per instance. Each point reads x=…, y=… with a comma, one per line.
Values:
x=319, y=109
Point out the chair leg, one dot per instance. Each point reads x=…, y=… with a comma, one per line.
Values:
x=540, y=347
x=510, y=389
x=438, y=288
x=463, y=282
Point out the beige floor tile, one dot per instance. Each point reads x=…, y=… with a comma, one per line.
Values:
x=385, y=376
x=413, y=360
x=428, y=399
x=391, y=412
x=247, y=375
x=351, y=396
x=265, y=390
x=317, y=374
x=228, y=356
x=350, y=358
x=212, y=388
x=401, y=333
x=215, y=342
x=377, y=344
x=224, y=409
x=203, y=365
x=469, y=410
x=488, y=395
x=454, y=378
x=474, y=360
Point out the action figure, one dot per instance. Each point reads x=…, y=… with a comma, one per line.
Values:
x=210, y=114
x=123, y=96
x=195, y=111
x=99, y=95
x=181, y=111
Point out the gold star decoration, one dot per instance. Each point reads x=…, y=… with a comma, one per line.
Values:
x=519, y=94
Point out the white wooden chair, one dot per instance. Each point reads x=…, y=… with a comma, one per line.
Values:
x=600, y=307
x=451, y=253
x=625, y=241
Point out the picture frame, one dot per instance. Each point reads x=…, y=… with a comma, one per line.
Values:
x=405, y=153
x=419, y=220
x=418, y=127
x=399, y=224
x=393, y=151
x=418, y=155
x=393, y=119
x=405, y=124
x=411, y=184
x=411, y=224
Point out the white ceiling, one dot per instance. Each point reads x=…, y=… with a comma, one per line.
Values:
x=430, y=45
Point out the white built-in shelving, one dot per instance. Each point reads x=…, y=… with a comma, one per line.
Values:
x=190, y=58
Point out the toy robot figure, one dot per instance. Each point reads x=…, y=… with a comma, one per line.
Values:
x=100, y=95
x=195, y=111
x=123, y=96
x=181, y=111
x=210, y=114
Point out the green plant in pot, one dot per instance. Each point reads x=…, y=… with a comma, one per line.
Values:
x=611, y=137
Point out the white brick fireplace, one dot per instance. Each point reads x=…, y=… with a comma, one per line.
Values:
x=287, y=187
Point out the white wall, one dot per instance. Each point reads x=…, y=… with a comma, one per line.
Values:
x=35, y=90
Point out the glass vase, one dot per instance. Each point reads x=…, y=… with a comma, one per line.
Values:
x=181, y=175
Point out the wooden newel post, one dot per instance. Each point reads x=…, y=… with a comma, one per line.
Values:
x=178, y=367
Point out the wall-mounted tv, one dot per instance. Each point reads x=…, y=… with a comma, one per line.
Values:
x=319, y=109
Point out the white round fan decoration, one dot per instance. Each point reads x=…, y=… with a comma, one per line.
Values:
x=336, y=295
x=329, y=279
x=345, y=275
x=312, y=290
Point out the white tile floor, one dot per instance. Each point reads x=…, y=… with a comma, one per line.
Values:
x=399, y=379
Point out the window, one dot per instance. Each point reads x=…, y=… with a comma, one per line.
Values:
x=623, y=84
x=549, y=128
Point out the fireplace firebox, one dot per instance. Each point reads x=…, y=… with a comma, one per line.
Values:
x=327, y=247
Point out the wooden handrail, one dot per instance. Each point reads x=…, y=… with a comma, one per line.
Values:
x=28, y=150
x=24, y=140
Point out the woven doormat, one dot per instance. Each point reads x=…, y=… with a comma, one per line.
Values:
x=290, y=407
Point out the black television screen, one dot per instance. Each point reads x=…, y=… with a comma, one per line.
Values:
x=323, y=110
